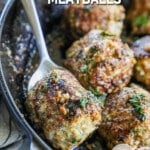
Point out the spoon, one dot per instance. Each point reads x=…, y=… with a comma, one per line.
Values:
x=46, y=64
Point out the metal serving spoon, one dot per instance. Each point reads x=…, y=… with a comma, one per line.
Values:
x=46, y=64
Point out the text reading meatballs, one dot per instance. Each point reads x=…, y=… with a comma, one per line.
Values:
x=85, y=2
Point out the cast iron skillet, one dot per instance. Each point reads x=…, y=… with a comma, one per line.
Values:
x=16, y=35
x=5, y=75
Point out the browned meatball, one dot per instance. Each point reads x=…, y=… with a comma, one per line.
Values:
x=142, y=53
x=63, y=109
x=101, y=62
x=139, y=16
x=80, y=19
x=126, y=118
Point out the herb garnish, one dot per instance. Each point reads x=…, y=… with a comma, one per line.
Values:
x=84, y=68
x=45, y=86
x=87, y=8
x=53, y=75
x=91, y=98
x=84, y=101
x=100, y=97
x=93, y=50
x=105, y=34
x=141, y=20
x=74, y=140
x=94, y=91
x=137, y=104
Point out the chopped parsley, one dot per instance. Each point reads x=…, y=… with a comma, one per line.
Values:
x=99, y=98
x=53, y=75
x=83, y=102
x=45, y=86
x=141, y=20
x=74, y=140
x=84, y=68
x=93, y=50
x=94, y=91
x=87, y=8
x=105, y=34
x=137, y=105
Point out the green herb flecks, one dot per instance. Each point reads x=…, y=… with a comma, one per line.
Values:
x=105, y=34
x=94, y=91
x=97, y=97
x=100, y=97
x=83, y=102
x=90, y=62
x=74, y=140
x=86, y=100
x=45, y=86
x=84, y=68
x=137, y=105
x=93, y=50
x=87, y=8
x=53, y=75
x=141, y=20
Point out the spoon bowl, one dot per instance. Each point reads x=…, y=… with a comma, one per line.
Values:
x=43, y=69
x=46, y=64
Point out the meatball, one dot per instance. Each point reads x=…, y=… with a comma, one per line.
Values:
x=142, y=53
x=139, y=17
x=126, y=118
x=65, y=112
x=80, y=19
x=101, y=62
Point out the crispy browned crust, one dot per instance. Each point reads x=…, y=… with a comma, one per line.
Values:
x=120, y=123
x=101, y=61
x=142, y=54
x=80, y=19
x=63, y=109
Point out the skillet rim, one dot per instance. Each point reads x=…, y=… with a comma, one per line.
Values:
x=8, y=97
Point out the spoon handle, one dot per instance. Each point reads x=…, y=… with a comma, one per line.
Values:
x=30, y=9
